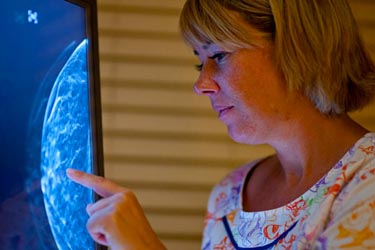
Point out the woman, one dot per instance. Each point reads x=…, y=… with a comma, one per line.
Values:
x=283, y=73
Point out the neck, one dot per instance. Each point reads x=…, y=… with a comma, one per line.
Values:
x=306, y=152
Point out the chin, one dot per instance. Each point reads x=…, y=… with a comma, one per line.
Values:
x=249, y=135
x=239, y=136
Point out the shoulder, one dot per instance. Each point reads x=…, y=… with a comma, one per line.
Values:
x=226, y=195
x=352, y=216
x=359, y=172
x=361, y=159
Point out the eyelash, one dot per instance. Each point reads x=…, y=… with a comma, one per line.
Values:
x=218, y=57
x=199, y=67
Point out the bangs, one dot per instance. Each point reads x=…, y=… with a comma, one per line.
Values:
x=206, y=21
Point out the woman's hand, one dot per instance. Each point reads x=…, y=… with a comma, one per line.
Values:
x=117, y=220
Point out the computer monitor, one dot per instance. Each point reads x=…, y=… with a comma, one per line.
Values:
x=50, y=121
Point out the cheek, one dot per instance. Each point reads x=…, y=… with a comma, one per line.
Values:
x=247, y=79
x=257, y=86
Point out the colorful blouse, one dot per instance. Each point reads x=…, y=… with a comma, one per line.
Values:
x=338, y=212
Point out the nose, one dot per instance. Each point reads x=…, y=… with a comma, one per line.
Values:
x=206, y=85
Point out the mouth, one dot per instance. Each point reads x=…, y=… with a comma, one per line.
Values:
x=222, y=110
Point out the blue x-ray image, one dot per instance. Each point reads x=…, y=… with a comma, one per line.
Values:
x=66, y=142
x=46, y=125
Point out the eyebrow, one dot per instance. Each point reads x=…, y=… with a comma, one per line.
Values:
x=210, y=57
x=206, y=46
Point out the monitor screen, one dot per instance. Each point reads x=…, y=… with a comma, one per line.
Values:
x=50, y=121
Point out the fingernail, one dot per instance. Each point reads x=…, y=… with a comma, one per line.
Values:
x=70, y=171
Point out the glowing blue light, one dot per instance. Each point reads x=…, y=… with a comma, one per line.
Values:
x=32, y=17
x=66, y=142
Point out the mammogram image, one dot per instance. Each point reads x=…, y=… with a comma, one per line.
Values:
x=66, y=143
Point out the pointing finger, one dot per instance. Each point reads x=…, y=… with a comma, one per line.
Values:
x=100, y=185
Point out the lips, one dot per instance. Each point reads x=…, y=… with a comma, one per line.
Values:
x=222, y=110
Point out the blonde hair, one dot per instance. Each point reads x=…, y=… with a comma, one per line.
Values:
x=316, y=44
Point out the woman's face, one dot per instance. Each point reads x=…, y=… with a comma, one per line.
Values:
x=246, y=90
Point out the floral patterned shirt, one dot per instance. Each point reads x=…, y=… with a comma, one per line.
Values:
x=338, y=212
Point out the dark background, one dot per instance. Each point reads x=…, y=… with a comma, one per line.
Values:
x=31, y=56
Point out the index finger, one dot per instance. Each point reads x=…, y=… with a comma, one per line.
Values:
x=98, y=184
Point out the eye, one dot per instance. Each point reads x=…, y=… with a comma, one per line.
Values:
x=219, y=56
x=199, y=67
